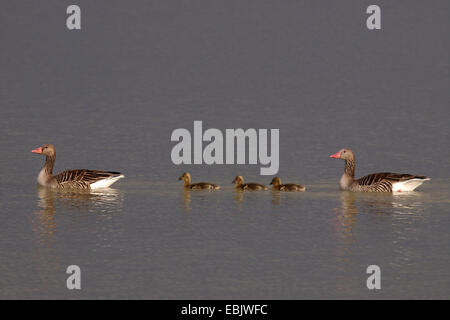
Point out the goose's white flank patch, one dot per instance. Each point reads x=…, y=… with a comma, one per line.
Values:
x=408, y=185
x=105, y=183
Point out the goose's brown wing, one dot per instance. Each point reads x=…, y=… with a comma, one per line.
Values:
x=375, y=178
x=81, y=177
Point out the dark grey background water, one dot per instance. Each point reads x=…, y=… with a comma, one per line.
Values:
x=110, y=95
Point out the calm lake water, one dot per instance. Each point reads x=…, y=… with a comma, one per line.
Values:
x=109, y=96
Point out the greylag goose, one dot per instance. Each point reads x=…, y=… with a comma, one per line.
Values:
x=276, y=183
x=72, y=179
x=239, y=182
x=196, y=186
x=376, y=182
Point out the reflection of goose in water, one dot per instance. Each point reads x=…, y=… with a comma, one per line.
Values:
x=50, y=200
x=346, y=214
x=45, y=225
x=53, y=201
x=379, y=204
x=391, y=215
x=54, y=207
x=403, y=203
x=343, y=228
x=375, y=203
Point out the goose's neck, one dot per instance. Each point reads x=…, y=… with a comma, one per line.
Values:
x=45, y=175
x=48, y=166
x=187, y=181
x=350, y=168
x=349, y=174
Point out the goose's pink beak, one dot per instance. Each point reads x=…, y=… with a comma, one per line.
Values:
x=337, y=155
x=37, y=150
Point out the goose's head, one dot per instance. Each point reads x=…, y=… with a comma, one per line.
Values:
x=46, y=150
x=185, y=176
x=238, y=180
x=276, y=181
x=344, y=154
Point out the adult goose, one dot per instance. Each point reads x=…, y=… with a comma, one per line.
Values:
x=72, y=179
x=197, y=186
x=277, y=185
x=376, y=182
x=239, y=182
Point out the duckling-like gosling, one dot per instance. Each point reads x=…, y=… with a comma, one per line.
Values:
x=276, y=185
x=186, y=177
x=239, y=184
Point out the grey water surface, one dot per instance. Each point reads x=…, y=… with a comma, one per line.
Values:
x=108, y=97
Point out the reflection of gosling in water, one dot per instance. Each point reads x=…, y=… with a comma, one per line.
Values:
x=197, y=186
x=276, y=183
x=239, y=181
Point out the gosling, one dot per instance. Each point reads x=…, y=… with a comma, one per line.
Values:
x=276, y=183
x=239, y=182
x=197, y=186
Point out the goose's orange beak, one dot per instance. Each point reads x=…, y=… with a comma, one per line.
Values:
x=337, y=155
x=37, y=150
